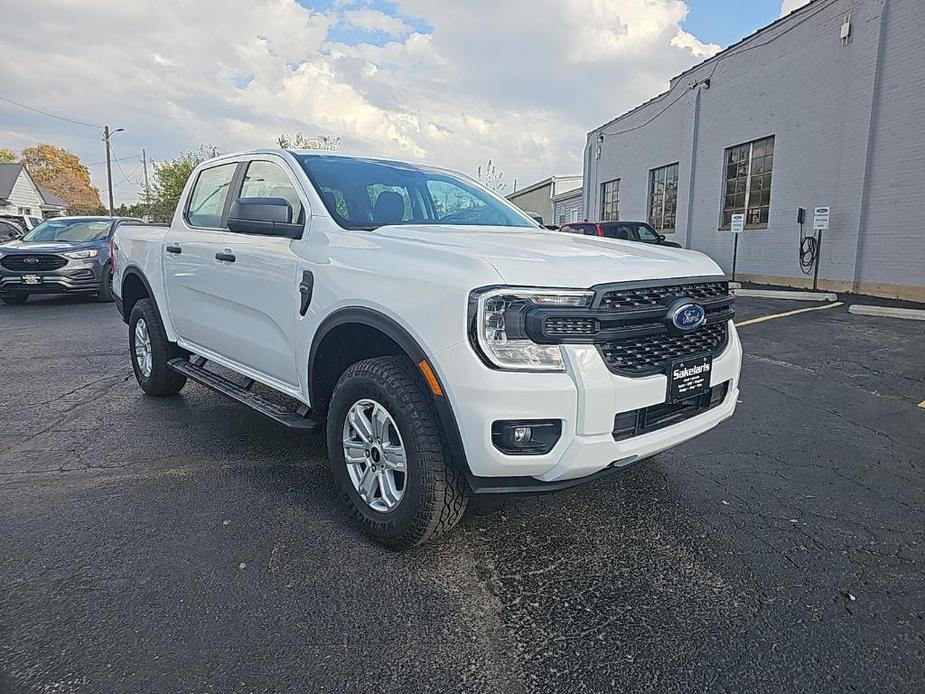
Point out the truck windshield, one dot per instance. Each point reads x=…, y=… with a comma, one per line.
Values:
x=75, y=230
x=367, y=193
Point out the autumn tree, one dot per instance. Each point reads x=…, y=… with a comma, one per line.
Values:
x=7, y=156
x=63, y=174
x=325, y=143
x=169, y=179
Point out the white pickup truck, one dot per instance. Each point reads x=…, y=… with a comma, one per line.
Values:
x=447, y=342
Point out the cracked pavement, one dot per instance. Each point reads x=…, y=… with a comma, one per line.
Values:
x=188, y=544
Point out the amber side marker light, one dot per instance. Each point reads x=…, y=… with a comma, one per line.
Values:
x=431, y=378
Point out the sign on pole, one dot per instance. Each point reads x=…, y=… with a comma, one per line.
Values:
x=821, y=219
x=737, y=224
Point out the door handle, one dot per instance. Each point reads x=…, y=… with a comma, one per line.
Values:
x=174, y=249
x=227, y=257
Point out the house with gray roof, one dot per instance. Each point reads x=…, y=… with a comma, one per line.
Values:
x=21, y=195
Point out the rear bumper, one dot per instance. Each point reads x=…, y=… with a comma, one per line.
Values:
x=75, y=277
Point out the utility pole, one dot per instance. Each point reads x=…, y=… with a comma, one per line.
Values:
x=106, y=135
x=144, y=162
x=108, y=167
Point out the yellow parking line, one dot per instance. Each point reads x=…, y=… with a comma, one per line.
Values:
x=762, y=319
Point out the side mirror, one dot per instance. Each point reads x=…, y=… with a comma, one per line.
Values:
x=661, y=237
x=536, y=217
x=265, y=216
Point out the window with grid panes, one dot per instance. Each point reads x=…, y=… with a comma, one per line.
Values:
x=748, y=182
x=610, y=200
x=663, y=197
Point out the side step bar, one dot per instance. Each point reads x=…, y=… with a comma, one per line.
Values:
x=293, y=420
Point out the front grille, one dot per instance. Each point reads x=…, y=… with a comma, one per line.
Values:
x=555, y=326
x=643, y=297
x=649, y=354
x=33, y=263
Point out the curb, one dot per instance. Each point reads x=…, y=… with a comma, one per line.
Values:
x=783, y=294
x=887, y=311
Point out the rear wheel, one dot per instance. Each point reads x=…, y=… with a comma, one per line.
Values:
x=389, y=456
x=150, y=351
x=14, y=299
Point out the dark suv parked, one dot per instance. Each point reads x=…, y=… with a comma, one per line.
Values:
x=62, y=255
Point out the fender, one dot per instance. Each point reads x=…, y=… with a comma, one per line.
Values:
x=389, y=327
x=136, y=271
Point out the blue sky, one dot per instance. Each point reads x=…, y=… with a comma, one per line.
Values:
x=724, y=22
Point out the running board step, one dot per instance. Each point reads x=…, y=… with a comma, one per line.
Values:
x=276, y=412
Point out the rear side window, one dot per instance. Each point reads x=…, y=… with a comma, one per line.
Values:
x=624, y=232
x=209, y=194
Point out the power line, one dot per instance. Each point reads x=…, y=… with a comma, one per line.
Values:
x=50, y=115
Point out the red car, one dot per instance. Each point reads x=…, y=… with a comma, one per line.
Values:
x=625, y=231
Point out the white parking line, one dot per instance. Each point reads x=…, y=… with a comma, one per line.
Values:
x=762, y=319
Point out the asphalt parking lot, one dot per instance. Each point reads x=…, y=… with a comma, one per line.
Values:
x=187, y=544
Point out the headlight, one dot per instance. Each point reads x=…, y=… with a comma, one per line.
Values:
x=499, y=326
x=77, y=255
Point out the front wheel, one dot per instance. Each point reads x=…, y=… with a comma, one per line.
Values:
x=389, y=455
x=14, y=299
x=150, y=351
x=105, y=295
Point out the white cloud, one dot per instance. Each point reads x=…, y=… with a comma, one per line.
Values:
x=698, y=48
x=520, y=81
x=369, y=19
x=788, y=6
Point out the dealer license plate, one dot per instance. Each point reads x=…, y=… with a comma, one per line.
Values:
x=689, y=376
x=31, y=279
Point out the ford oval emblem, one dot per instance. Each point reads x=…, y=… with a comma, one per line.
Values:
x=31, y=261
x=688, y=316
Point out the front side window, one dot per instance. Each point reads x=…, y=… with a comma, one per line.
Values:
x=368, y=193
x=610, y=200
x=207, y=199
x=265, y=179
x=748, y=182
x=663, y=197
x=75, y=230
x=646, y=234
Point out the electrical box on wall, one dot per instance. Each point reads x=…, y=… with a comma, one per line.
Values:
x=846, y=29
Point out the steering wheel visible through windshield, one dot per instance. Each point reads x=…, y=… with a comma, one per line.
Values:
x=367, y=193
x=71, y=230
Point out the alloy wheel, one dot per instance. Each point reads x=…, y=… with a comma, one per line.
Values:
x=375, y=455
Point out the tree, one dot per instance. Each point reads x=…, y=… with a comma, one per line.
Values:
x=326, y=143
x=169, y=179
x=63, y=174
x=491, y=178
x=7, y=156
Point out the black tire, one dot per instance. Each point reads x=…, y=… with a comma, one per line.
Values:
x=162, y=380
x=105, y=295
x=435, y=494
x=14, y=299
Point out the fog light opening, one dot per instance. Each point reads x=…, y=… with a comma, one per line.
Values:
x=530, y=437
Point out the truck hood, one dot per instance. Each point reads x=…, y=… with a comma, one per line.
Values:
x=555, y=259
x=49, y=246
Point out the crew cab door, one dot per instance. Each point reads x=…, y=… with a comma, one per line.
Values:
x=260, y=282
x=196, y=289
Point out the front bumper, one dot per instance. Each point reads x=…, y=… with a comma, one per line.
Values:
x=585, y=398
x=75, y=277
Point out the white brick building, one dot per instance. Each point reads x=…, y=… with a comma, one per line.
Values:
x=824, y=107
